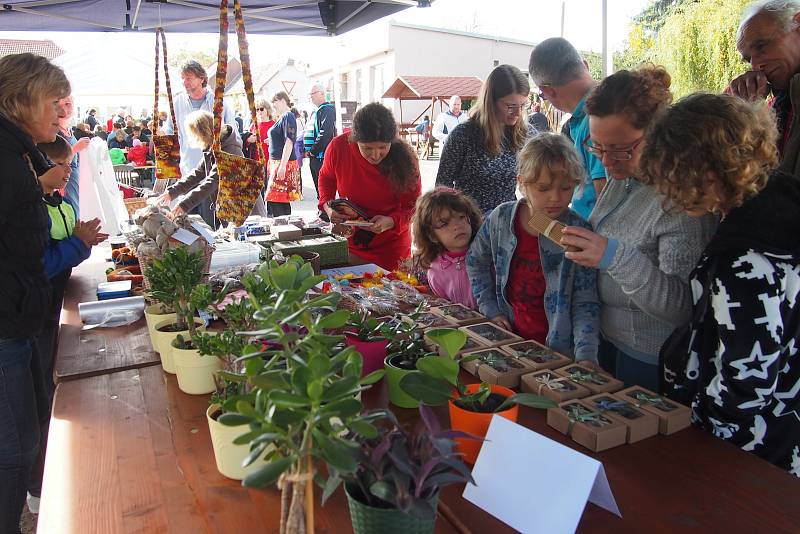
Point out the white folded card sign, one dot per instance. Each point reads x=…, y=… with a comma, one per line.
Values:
x=535, y=484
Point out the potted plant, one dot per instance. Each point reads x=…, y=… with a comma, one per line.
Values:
x=395, y=488
x=172, y=279
x=155, y=313
x=403, y=352
x=471, y=406
x=367, y=335
x=303, y=409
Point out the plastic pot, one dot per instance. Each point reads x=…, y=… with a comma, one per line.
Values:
x=477, y=423
x=163, y=341
x=229, y=457
x=370, y=520
x=152, y=316
x=195, y=373
x=397, y=396
x=373, y=353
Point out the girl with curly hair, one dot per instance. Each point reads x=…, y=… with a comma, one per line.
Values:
x=377, y=171
x=643, y=253
x=736, y=361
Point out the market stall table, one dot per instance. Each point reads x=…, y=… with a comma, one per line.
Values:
x=83, y=352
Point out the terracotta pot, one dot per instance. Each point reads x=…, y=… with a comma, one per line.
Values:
x=372, y=352
x=195, y=373
x=477, y=423
x=397, y=396
x=229, y=457
x=163, y=341
x=153, y=315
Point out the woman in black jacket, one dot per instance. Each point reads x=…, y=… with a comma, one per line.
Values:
x=737, y=362
x=30, y=90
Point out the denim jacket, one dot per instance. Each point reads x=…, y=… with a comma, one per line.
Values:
x=570, y=300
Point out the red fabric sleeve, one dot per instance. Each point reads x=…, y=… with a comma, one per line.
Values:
x=327, y=175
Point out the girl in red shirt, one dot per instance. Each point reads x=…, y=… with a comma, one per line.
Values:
x=374, y=169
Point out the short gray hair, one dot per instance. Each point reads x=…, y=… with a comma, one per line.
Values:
x=555, y=62
x=781, y=11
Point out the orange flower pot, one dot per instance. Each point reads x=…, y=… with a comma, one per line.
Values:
x=477, y=423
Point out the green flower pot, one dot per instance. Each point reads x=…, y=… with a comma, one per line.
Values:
x=370, y=520
x=397, y=396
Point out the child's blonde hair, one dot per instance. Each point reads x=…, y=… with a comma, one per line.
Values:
x=549, y=151
x=429, y=207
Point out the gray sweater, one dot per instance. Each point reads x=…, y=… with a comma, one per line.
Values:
x=643, y=277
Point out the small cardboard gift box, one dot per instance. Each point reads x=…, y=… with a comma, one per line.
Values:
x=587, y=426
x=554, y=387
x=594, y=381
x=536, y=355
x=672, y=416
x=459, y=315
x=429, y=320
x=641, y=424
x=490, y=334
x=494, y=366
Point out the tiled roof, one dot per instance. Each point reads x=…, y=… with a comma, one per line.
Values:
x=424, y=87
x=47, y=48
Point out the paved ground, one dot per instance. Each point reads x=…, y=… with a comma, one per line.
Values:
x=28, y=522
x=307, y=207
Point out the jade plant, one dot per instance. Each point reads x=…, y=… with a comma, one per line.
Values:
x=303, y=407
x=172, y=279
x=404, y=470
x=365, y=327
x=435, y=382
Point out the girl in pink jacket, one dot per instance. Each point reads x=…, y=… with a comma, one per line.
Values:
x=444, y=223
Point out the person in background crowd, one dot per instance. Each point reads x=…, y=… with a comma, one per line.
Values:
x=298, y=143
x=144, y=117
x=377, y=171
x=522, y=281
x=769, y=39
x=240, y=123
x=119, y=117
x=120, y=140
x=320, y=132
x=162, y=118
x=480, y=157
x=101, y=132
x=81, y=130
x=197, y=96
x=71, y=241
x=31, y=103
x=137, y=153
x=136, y=133
x=538, y=120
x=129, y=127
x=146, y=128
x=736, y=363
x=283, y=178
x=423, y=128
x=643, y=250
x=91, y=119
x=563, y=78
x=203, y=182
x=446, y=122
x=444, y=224
x=72, y=189
x=113, y=133
x=265, y=118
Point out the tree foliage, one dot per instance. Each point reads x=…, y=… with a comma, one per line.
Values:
x=695, y=40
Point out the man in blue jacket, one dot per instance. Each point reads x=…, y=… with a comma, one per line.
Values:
x=321, y=133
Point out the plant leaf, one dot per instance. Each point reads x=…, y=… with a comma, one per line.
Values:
x=373, y=377
x=450, y=339
x=384, y=491
x=365, y=429
x=254, y=454
x=425, y=388
x=336, y=319
x=283, y=399
x=438, y=367
x=268, y=474
x=527, y=399
x=234, y=419
x=343, y=386
x=330, y=486
x=430, y=420
x=335, y=453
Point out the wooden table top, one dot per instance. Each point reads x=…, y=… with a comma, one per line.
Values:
x=130, y=452
x=83, y=353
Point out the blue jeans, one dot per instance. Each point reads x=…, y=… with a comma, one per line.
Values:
x=625, y=367
x=20, y=387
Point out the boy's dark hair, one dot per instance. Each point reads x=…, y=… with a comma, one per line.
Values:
x=58, y=149
x=119, y=125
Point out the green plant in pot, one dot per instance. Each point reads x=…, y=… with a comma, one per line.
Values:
x=172, y=279
x=303, y=413
x=395, y=488
x=407, y=344
x=436, y=382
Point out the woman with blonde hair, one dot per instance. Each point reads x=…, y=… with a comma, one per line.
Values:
x=203, y=182
x=31, y=93
x=480, y=156
x=265, y=120
x=643, y=252
x=736, y=361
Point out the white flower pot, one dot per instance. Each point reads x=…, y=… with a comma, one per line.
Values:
x=163, y=341
x=229, y=457
x=195, y=372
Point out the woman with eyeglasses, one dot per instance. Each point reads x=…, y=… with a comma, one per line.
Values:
x=642, y=251
x=480, y=155
x=265, y=122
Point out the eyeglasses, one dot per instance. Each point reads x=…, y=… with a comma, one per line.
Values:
x=616, y=154
x=261, y=109
x=312, y=93
x=516, y=108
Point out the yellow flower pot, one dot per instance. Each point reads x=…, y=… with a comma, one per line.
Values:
x=163, y=341
x=195, y=372
x=153, y=315
x=229, y=457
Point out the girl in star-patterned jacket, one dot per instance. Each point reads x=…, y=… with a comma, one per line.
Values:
x=737, y=361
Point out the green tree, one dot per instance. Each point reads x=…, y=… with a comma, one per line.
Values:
x=205, y=57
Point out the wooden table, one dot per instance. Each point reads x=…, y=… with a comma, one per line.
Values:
x=83, y=353
x=130, y=452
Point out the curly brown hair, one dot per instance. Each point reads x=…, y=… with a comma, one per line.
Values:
x=717, y=137
x=375, y=123
x=428, y=211
x=639, y=95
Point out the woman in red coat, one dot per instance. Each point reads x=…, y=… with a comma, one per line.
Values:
x=377, y=171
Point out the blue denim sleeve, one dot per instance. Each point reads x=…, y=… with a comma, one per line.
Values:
x=479, y=268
